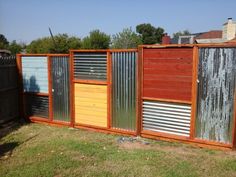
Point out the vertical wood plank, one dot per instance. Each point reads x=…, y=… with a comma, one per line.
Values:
x=20, y=86
x=139, y=90
x=50, y=89
x=194, y=92
x=109, y=98
x=72, y=85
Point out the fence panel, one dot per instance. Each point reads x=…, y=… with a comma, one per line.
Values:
x=124, y=90
x=60, y=88
x=9, y=107
x=216, y=93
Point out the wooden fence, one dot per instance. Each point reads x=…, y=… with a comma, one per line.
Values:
x=9, y=104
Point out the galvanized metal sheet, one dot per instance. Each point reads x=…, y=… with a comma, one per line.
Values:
x=124, y=90
x=90, y=66
x=172, y=118
x=37, y=106
x=60, y=88
x=35, y=74
x=216, y=91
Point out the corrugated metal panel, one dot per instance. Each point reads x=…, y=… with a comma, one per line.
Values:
x=172, y=118
x=216, y=89
x=124, y=90
x=91, y=104
x=60, y=86
x=36, y=106
x=90, y=66
x=35, y=74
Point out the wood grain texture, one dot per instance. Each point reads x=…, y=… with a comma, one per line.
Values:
x=91, y=104
x=167, y=73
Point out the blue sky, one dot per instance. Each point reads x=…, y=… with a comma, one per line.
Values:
x=25, y=20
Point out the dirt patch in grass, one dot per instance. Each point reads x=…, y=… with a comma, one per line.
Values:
x=134, y=145
x=142, y=144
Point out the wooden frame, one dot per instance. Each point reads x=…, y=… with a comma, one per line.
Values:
x=50, y=119
x=191, y=139
x=194, y=92
x=108, y=83
x=83, y=81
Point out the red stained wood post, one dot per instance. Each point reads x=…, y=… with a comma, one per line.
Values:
x=50, y=89
x=72, y=85
x=109, y=98
x=194, y=92
x=139, y=92
x=20, y=86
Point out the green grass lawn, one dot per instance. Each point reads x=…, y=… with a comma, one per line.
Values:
x=40, y=150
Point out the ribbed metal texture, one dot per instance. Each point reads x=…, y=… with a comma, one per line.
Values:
x=36, y=106
x=172, y=118
x=60, y=88
x=216, y=90
x=124, y=90
x=90, y=66
x=35, y=74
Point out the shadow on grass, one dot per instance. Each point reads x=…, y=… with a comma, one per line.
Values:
x=7, y=148
x=8, y=127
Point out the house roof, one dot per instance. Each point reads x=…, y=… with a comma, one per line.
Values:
x=233, y=40
x=213, y=34
x=5, y=51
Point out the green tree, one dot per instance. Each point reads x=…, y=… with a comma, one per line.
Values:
x=181, y=33
x=3, y=42
x=126, y=39
x=96, y=40
x=149, y=33
x=15, y=47
x=62, y=43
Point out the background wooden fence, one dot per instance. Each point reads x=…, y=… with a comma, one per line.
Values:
x=9, y=104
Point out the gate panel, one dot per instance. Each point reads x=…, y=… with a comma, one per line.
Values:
x=60, y=88
x=91, y=104
x=124, y=90
x=216, y=93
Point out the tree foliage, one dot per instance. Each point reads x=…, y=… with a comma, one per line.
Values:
x=61, y=44
x=96, y=40
x=149, y=33
x=3, y=42
x=181, y=33
x=15, y=47
x=126, y=39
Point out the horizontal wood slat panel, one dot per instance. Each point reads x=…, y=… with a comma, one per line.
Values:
x=168, y=53
x=91, y=104
x=170, y=94
x=167, y=73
